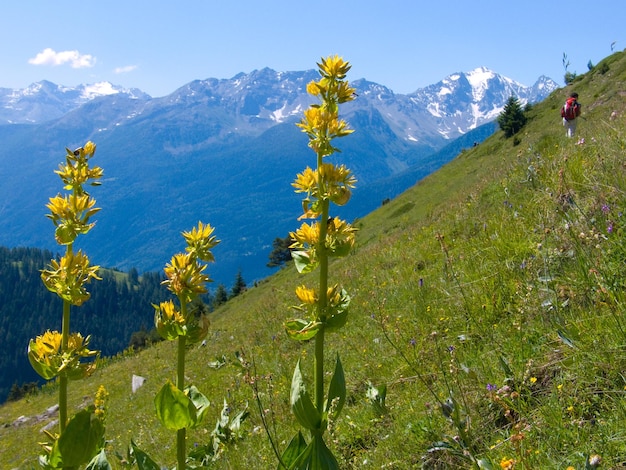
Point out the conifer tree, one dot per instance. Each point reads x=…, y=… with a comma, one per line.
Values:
x=239, y=286
x=221, y=296
x=512, y=118
x=281, y=253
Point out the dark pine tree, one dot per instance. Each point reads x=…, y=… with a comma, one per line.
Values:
x=221, y=296
x=281, y=253
x=239, y=286
x=512, y=118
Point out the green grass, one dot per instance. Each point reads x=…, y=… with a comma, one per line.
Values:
x=503, y=270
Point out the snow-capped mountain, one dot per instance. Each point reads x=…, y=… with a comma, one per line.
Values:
x=447, y=109
x=224, y=151
x=44, y=101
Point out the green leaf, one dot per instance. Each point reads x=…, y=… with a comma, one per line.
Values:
x=337, y=321
x=301, y=405
x=295, y=448
x=80, y=441
x=99, y=462
x=336, y=390
x=144, y=462
x=339, y=312
x=485, y=464
x=565, y=339
x=302, y=330
x=173, y=408
x=505, y=366
x=235, y=423
x=316, y=456
x=303, y=262
x=198, y=329
x=340, y=250
x=200, y=402
x=46, y=370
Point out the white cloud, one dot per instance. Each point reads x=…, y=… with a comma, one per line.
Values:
x=50, y=57
x=125, y=69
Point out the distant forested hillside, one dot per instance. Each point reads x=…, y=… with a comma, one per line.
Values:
x=120, y=305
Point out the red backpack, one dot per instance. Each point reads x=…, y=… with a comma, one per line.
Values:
x=570, y=109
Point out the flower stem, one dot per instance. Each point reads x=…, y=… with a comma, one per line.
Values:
x=65, y=334
x=323, y=292
x=65, y=337
x=180, y=383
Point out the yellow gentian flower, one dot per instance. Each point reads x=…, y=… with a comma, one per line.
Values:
x=306, y=295
x=334, y=67
x=305, y=235
x=185, y=277
x=200, y=240
x=68, y=276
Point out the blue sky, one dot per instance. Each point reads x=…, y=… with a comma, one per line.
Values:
x=159, y=46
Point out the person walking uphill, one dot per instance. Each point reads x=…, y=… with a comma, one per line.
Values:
x=569, y=112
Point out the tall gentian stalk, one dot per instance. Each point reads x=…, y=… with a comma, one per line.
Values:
x=325, y=306
x=55, y=354
x=179, y=407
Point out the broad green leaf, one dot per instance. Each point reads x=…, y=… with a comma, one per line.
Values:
x=46, y=369
x=340, y=250
x=301, y=405
x=336, y=390
x=316, y=456
x=337, y=321
x=144, y=462
x=200, y=402
x=485, y=464
x=295, y=448
x=99, y=462
x=235, y=423
x=80, y=441
x=302, y=330
x=303, y=262
x=173, y=408
x=198, y=329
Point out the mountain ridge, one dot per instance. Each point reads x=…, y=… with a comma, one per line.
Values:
x=222, y=151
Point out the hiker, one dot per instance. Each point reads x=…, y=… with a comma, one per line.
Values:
x=569, y=112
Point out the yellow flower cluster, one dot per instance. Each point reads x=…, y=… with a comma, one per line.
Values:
x=169, y=322
x=321, y=122
x=68, y=276
x=49, y=358
x=185, y=277
x=330, y=182
x=100, y=401
x=335, y=296
x=76, y=171
x=70, y=215
x=507, y=464
x=200, y=240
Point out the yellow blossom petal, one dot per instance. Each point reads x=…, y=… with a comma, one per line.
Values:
x=306, y=295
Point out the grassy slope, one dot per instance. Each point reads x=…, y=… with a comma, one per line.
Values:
x=505, y=268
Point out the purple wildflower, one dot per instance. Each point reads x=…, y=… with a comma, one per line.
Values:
x=491, y=387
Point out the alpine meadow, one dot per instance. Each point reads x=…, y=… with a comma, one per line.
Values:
x=485, y=327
